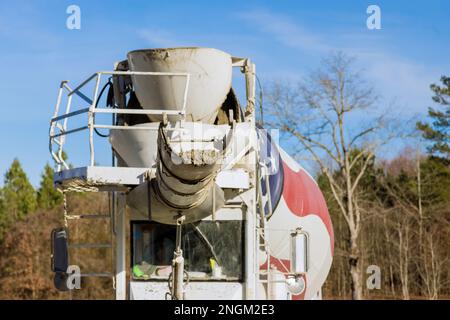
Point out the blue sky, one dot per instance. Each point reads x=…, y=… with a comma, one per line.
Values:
x=286, y=39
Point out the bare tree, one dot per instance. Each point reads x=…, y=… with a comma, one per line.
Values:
x=403, y=226
x=417, y=225
x=328, y=114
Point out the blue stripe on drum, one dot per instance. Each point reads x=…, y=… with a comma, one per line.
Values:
x=270, y=156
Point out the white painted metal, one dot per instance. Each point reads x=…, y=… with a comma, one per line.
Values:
x=88, y=216
x=318, y=295
x=277, y=285
x=106, y=178
x=100, y=177
x=53, y=138
x=89, y=245
x=92, y=110
x=121, y=278
x=250, y=257
x=156, y=290
x=96, y=274
x=299, y=251
x=210, y=80
x=136, y=147
x=235, y=179
x=91, y=119
x=224, y=214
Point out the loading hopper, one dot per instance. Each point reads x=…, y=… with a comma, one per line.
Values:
x=210, y=80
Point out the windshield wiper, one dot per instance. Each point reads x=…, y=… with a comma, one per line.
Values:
x=211, y=248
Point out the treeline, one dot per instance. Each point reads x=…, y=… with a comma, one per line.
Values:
x=27, y=216
x=18, y=198
x=405, y=231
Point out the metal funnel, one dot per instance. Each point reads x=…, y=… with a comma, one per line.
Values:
x=210, y=80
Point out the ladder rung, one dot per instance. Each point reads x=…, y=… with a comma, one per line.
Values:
x=272, y=281
x=90, y=245
x=60, y=126
x=88, y=216
x=57, y=141
x=263, y=272
x=232, y=205
x=99, y=274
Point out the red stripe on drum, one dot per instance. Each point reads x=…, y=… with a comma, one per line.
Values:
x=303, y=197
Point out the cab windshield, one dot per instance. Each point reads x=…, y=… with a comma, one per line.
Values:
x=212, y=250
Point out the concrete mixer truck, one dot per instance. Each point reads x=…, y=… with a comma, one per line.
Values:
x=215, y=208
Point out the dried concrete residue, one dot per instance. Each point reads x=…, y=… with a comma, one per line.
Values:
x=199, y=157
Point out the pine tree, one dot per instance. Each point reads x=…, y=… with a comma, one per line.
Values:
x=5, y=220
x=47, y=196
x=18, y=197
x=439, y=130
x=19, y=194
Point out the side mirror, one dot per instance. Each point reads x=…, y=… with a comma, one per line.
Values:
x=299, y=261
x=299, y=251
x=60, y=281
x=60, y=258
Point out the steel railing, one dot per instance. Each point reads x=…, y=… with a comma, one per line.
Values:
x=60, y=121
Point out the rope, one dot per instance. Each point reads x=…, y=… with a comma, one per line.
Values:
x=66, y=224
x=65, y=208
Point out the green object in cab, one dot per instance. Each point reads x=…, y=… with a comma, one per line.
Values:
x=137, y=272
